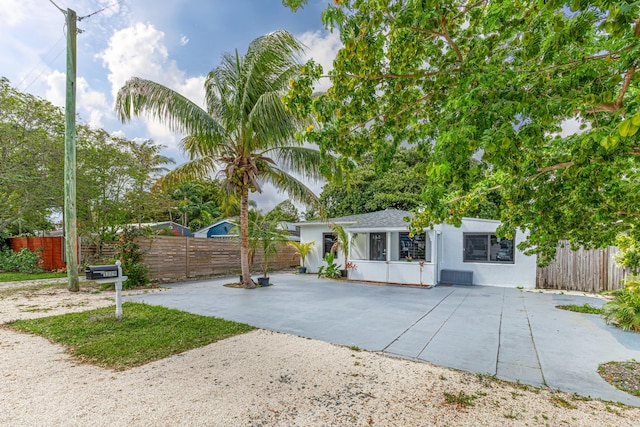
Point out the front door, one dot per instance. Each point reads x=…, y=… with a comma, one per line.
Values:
x=378, y=246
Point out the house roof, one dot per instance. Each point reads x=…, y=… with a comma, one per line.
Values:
x=388, y=218
x=227, y=220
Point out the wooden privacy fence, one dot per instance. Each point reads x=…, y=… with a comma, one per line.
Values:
x=582, y=270
x=50, y=250
x=174, y=258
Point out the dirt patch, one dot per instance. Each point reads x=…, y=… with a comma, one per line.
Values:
x=624, y=376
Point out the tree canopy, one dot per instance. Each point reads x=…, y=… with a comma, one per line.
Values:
x=501, y=82
x=115, y=175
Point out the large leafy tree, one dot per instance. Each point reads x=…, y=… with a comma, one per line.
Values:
x=31, y=140
x=115, y=175
x=402, y=184
x=495, y=81
x=284, y=211
x=115, y=181
x=245, y=133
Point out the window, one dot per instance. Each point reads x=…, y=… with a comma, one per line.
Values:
x=487, y=248
x=415, y=247
x=328, y=239
x=378, y=246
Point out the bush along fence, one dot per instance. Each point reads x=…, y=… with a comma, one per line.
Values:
x=50, y=250
x=582, y=270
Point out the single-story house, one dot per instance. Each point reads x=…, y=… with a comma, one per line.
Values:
x=178, y=230
x=383, y=251
x=227, y=228
x=220, y=228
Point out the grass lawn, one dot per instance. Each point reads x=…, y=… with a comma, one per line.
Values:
x=19, y=277
x=145, y=333
x=585, y=308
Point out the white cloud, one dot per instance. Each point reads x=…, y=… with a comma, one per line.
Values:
x=139, y=51
x=14, y=12
x=90, y=103
x=135, y=51
x=184, y=40
x=323, y=48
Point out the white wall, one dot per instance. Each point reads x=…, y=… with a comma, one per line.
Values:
x=520, y=273
x=313, y=233
x=402, y=272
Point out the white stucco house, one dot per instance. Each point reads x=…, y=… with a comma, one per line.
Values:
x=382, y=251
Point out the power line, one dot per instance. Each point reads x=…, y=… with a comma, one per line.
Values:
x=42, y=62
x=43, y=70
x=98, y=11
x=58, y=7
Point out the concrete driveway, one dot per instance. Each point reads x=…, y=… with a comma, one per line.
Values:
x=515, y=335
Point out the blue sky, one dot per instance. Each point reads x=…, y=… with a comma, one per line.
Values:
x=173, y=42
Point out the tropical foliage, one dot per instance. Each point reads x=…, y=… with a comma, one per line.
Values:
x=629, y=251
x=544, y=94
x=303, y=249
x=343, y=240
x=284, y=211
x=23, y=261
x=402, y=184
x=267, y=236
x=129, y=253
x=332, y=269
x=245, y=133
x=624, y=311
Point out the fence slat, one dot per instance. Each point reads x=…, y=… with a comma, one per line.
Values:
x=582, y=270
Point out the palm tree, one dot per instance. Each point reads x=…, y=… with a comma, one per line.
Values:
x=343, y=241
x=246, y=132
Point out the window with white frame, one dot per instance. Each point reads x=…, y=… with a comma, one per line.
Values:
x=481, y=247
x=413, y=248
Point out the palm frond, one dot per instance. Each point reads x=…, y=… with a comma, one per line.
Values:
x=304, y=160
x=204, y=145
x=271, y=121
x=297, y=191
x=145, y=97
x=198, y=168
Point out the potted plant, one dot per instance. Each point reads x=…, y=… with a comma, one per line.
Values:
x=265, y=235
x=303, y=250
x=342, y=242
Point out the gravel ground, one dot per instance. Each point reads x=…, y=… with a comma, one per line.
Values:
x=260, y=379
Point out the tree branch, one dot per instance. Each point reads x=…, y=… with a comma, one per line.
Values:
x=395, y=76
x=625, y=85
x=449, y=40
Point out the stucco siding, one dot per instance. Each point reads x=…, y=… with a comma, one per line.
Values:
x=443, y=252
x=522, y=272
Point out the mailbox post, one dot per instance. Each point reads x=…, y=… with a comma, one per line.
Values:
x=109, y=274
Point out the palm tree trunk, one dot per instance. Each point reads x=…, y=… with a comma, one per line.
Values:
x=244, y=242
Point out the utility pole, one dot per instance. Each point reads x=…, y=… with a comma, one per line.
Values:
x=69, y=214
x=70, y=225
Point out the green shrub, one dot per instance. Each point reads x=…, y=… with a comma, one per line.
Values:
x=624, y=310
x=629, y=254
x=331, y=270
x=130, y=255
x=137, y=275
x=24, y=261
